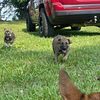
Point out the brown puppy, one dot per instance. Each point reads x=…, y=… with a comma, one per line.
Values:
x=9, y=37
x=70, y=92
x=60, y=45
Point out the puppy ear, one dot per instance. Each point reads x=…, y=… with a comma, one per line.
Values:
x=69, y=41
x=10, y=29
x=5, y=29
x=68, y=90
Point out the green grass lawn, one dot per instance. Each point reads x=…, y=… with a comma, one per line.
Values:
x=28, y=72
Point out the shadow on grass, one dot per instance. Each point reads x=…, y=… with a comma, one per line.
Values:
x=69, y=32
x=18, y=54
x=31, y=33
x=90, y=52
x=66, y=32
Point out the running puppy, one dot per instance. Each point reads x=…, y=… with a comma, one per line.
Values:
x=9, y=37
x=69, y=91
x=60, y=45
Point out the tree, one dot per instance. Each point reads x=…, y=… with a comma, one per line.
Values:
x=18, y=7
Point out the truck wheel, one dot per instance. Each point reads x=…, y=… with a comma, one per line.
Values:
x=45, y=28
x=31, y=27
x=76, y=28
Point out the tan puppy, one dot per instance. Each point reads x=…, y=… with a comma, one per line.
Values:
x=70, y=92
x=60, y=45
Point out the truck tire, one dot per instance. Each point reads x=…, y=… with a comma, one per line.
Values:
x=45, y=28
x=31, y=27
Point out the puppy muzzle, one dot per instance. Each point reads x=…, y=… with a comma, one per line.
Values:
x=63, y=49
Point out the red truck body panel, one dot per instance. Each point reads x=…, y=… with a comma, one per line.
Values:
x=79, y=1
x=68, y=5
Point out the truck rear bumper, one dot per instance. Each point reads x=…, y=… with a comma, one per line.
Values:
x=75, y=17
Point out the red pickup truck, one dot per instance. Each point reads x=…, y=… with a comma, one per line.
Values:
x=49, y=14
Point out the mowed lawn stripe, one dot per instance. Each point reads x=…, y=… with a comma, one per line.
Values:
x=28, y=71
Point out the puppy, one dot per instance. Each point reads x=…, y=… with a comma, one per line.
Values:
x=9, y=37
x=70, y=92
x=60, y=45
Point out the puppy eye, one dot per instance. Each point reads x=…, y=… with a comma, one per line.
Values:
x=66, y=42
x=59, y=39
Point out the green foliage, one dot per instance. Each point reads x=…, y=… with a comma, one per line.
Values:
x=17, y=3
x=20, y=6
x=28, y=72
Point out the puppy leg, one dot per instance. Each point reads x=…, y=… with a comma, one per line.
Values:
x=10, y=45
x=7, y=45
x=65, y=56
x=56, y=57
